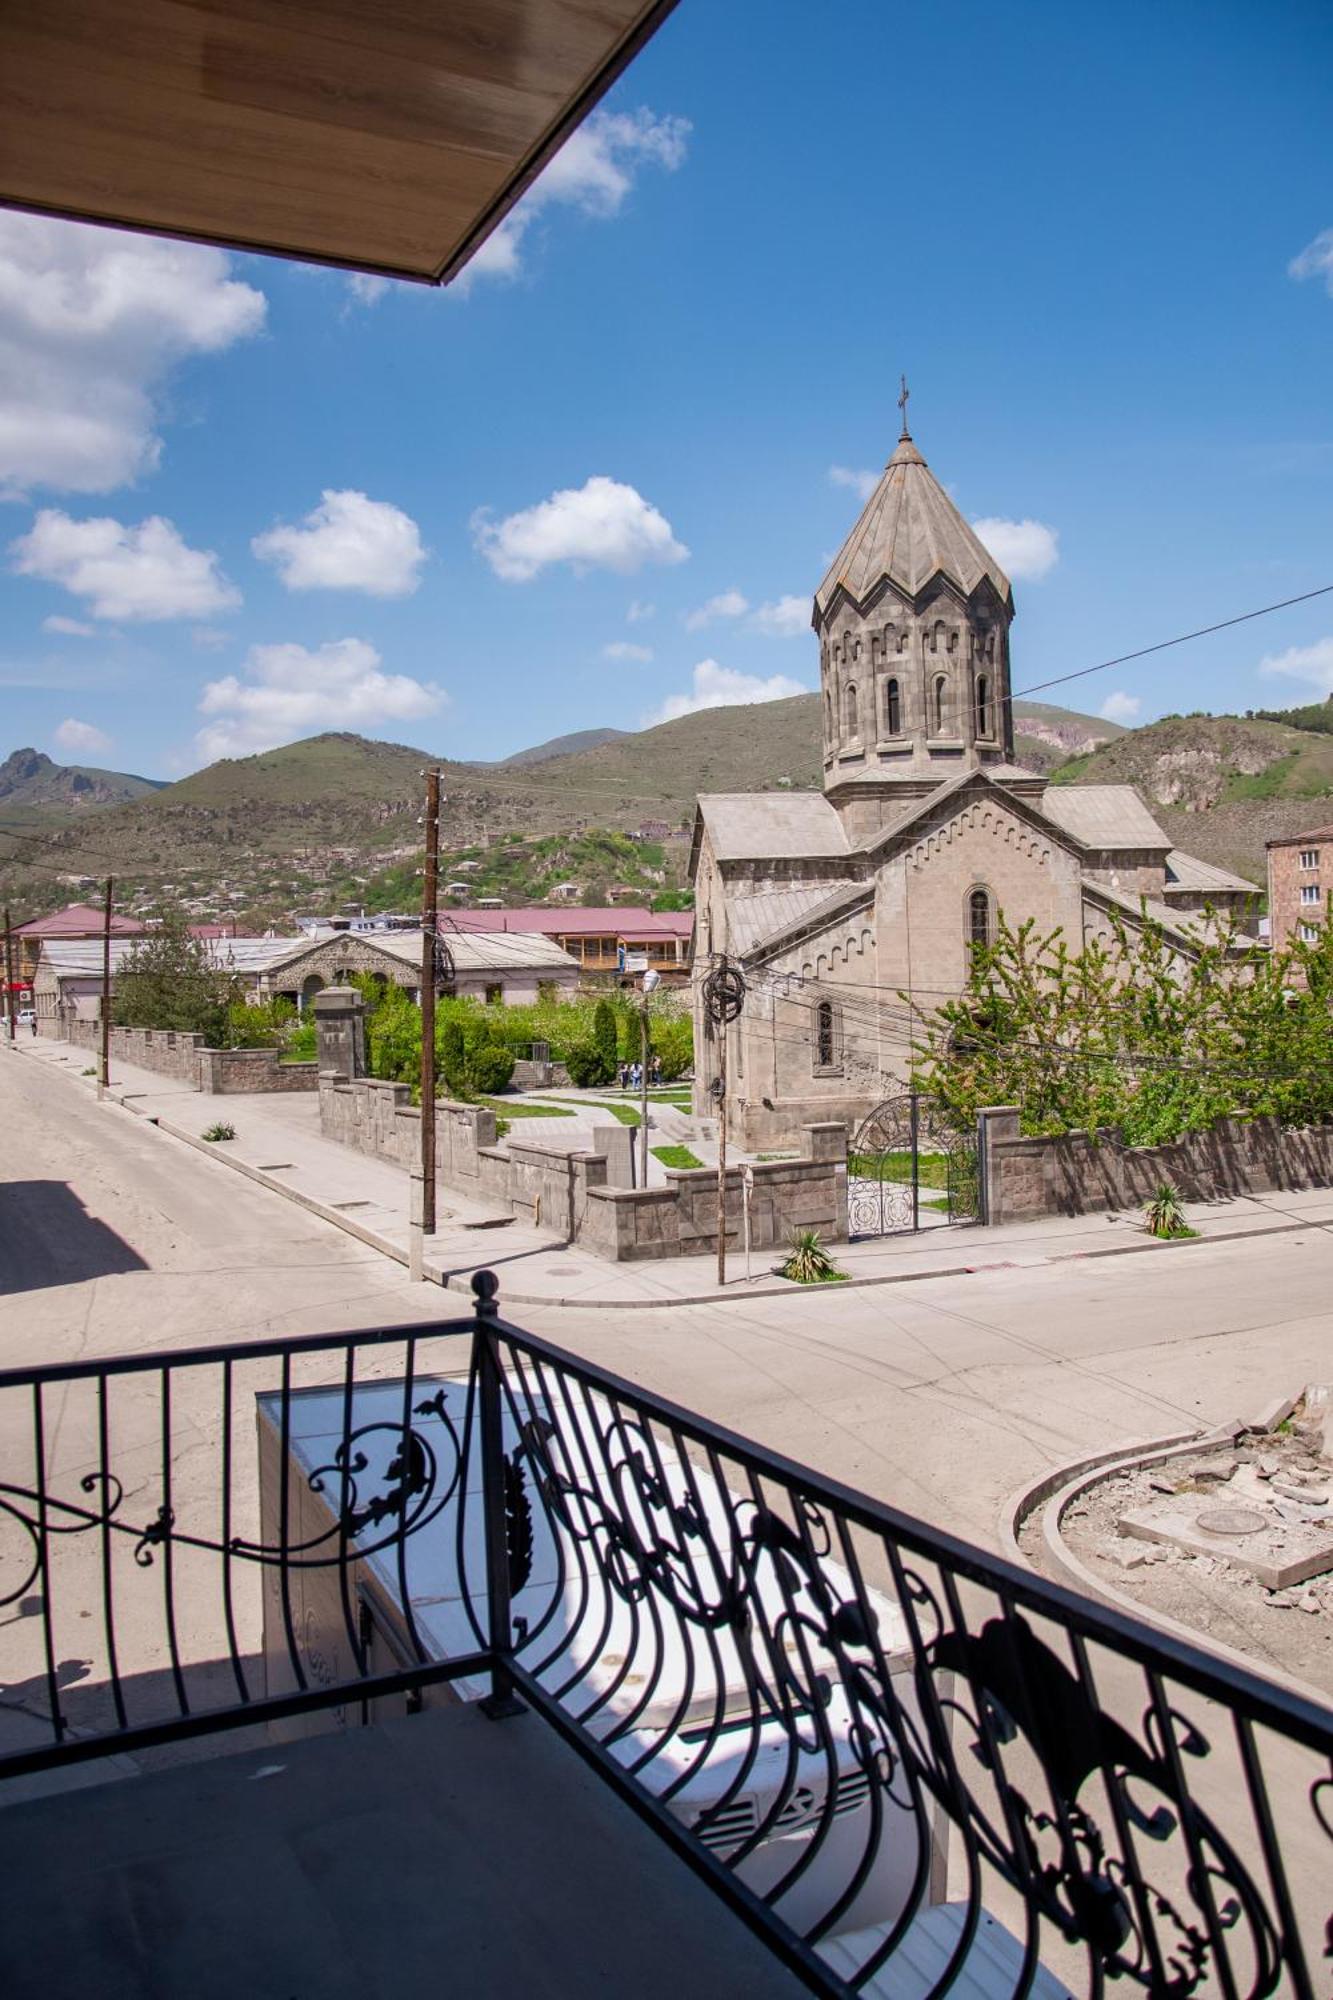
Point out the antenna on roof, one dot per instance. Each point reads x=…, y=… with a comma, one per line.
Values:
x=902, y=405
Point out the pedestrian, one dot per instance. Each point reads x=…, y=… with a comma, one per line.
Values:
x=635, y=1074
x=656, y=1069
x=34, y=1025
x=622, y=1075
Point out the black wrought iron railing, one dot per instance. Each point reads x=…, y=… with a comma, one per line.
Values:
x=895, y=1756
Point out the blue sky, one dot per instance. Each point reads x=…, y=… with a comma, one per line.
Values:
x=1099, y=242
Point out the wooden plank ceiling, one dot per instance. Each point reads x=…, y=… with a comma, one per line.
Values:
x=387, y=135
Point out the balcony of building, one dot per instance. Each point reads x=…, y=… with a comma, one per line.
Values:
x=437, y=1659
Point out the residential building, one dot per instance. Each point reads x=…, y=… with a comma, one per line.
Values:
x=854, y=909
x=76, y=920
x=597, y=939
x=1300, y=881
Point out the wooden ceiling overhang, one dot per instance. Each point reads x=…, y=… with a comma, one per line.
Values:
x=388, y=136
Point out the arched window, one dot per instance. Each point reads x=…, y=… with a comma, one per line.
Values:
x=937, y=711
x=850, y=726
x=983, y=706
x=978, y=918
x=893, y=708
x=828, y=713
x=827, y=1052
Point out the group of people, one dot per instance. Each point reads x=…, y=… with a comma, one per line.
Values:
x=630, y=1075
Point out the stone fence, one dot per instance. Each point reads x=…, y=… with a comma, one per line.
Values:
x=186, y=1059
x=1082, y=1172
x=571, y=1192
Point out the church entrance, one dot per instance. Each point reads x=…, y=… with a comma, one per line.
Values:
x=907, y=1169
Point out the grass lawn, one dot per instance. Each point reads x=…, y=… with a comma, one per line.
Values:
x=676, y=1156
x=933, y=1168
x=624, y=1111
x=523, y=1107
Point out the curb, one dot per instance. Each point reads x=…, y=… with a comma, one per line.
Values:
x=460, y=1279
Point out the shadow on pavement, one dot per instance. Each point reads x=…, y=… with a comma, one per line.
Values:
x=47, y=1237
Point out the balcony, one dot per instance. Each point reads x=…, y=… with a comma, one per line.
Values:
x=536, y=1682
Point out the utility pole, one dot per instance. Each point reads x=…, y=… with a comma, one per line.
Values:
x=723, y=996
x=650, y=982
x=104, y=1066
x=429, y=922
x=9, y=980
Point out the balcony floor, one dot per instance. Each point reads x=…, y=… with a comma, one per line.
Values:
x=441, y=1854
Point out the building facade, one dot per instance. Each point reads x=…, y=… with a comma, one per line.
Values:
x=852, y=910
x=1300, y=881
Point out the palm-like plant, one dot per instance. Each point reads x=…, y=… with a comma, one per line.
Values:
x=1164, y=1214
x=808, y=1262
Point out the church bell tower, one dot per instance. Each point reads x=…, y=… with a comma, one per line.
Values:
x=913, y=624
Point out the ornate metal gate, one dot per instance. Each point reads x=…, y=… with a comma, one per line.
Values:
x=905, y=1159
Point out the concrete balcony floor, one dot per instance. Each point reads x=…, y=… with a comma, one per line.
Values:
x=441, y=1854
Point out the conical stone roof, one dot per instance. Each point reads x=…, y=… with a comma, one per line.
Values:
x=909, y=532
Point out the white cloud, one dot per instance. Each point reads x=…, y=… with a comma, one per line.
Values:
x=92, y=321
x=727, y=604
x=1315, y=261
x=786, y=618
x=1304, y=663
x=722, y=687
x=639, y=611
x=348, y=542
x=290, y=691
x=81, y=737
x=862, y=484
x=1120, y=707
x=128, y=573
x=622, y=649
x=366, y=289
x=594, y=172
x=1025, y=550
x=599, y=525
x=68, y=628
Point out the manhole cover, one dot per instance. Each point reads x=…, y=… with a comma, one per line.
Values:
x=1230, y=1521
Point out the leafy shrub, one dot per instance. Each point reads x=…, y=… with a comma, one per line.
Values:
x=808, y=1262
x=605, y=1038
x=220, y=1131
x=1164, y=1215
x=451, y=1052
x=673, y=1041
x=490, y=1067
x=587, y=1065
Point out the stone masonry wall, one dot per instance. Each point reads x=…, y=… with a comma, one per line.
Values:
x=1083, y=1172
x=184, y=1058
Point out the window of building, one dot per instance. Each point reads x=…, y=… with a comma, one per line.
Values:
x=893, y=708
x=828, y=1036
x=937, y=709
x=1309, y=892
x=1309, y=933
x=828, y=713
x=494, y=995
x=983, y=706
x=979, y=917
x=1309, y=857
x=849, y=718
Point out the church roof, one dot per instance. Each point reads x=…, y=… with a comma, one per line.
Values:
x=909, y=532
x=753, y=920
x=761, y=826
x=1104, y=816
x=1186, y=871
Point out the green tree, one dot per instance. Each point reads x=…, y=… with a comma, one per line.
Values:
x=451, y=1052
x=169, y=979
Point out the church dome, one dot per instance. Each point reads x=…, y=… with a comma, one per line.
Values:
x=909, y=532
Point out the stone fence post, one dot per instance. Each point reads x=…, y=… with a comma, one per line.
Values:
x=340, y=1032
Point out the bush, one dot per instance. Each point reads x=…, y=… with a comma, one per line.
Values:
x=808, y=1262
x=1164, y=1215
x=220, y=1131
x=673, y=1042
x=587, y=1066
x=605, y=1038
x=490, y=1067
x=451, y=1052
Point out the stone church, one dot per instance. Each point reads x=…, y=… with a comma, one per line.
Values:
x=836, y=903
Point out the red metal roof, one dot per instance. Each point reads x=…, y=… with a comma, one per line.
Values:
x=78, y=920
x=622, y=920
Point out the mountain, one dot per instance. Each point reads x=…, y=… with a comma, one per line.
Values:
x=1046, y=736
x=338, y=817
x=565, y=746
x=1220, y=785
x=33, y=788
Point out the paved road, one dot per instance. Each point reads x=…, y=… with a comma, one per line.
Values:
x=940, y=1396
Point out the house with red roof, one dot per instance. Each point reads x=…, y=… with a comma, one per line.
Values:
x=76, y=920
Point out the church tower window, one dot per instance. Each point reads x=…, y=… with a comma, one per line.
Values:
x=850, y=724
x=828, y=1051
x=893, y=709
x=983, y=706
x=979, y=918
x=937, y=705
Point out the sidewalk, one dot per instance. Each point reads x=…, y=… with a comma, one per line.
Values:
x=278, y=1144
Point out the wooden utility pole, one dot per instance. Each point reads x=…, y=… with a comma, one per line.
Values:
x=9, y=980
x=430, y=918
x=104, y=1067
